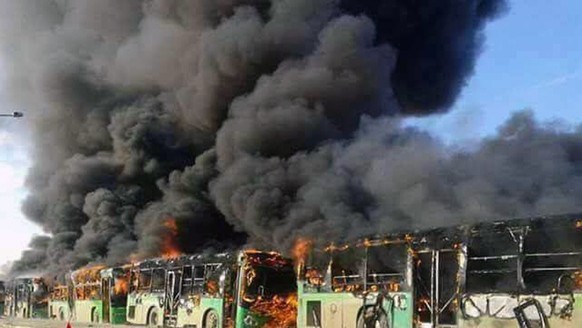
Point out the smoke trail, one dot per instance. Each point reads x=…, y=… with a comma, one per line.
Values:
x=244, y=120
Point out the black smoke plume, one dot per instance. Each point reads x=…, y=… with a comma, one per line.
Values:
x=257, y=121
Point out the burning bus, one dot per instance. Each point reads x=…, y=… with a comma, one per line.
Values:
x=100, y=294
x=60, y=303
x=502, y=274
x=246, y=289
x=88, y=306
x=26, y=298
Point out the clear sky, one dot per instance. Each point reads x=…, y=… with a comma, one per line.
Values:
x=532, y=59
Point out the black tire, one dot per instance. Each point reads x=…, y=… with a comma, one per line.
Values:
x=153, y=318
x=210, y=320
x=369, y=319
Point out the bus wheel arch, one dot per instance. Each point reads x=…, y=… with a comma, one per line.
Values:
x=94, y=315
x=61, y=314
x=210, y=319
x=381, y=320
x=152, y=319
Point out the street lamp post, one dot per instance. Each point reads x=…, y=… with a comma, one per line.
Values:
x=14, y=114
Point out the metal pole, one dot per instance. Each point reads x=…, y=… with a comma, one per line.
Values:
x=14, y=115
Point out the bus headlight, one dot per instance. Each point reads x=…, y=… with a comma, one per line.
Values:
x=400, y=301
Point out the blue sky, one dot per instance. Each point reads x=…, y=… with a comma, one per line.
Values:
x=531, y=59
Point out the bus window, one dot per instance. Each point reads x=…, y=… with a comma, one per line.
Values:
x=145, y=280
x=551, y=257
x=387, y=267
x=119, y=290
x=186, y=281
x=316, y=268
x=347, y=270
x=158, y=280
x=271, y=281
x=198, y=280
x=492, y=264
x=212, y=278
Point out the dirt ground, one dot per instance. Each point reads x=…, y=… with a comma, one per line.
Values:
x=43, y=323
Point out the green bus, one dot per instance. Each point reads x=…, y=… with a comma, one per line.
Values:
x=60, y=303
x=517, y=273
x=26, y=298
x=114, y=291
x=236, y=289
x=87, y=305
x=100, y=294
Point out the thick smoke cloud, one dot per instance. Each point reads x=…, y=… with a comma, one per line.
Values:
x=246, y=121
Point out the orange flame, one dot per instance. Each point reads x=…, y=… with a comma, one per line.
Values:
x=87, y=281
x=281, y=310
x=578, y=280
x=301, y=250
x=170, y=248
x=121, y=285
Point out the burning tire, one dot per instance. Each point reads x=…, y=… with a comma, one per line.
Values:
x=210, y=320
x=371, y=319
x=153, y=318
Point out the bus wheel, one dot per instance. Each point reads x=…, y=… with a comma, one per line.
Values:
x=153, y=318
x=367, y=319
x=210, y=320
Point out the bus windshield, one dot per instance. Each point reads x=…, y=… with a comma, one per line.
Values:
x=270, y=281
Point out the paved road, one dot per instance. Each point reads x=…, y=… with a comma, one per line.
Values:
x=43, y=323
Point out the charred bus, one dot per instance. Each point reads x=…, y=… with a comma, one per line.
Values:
x=100, y=294
x=26, y=298
x=518, y=273
x=60, y=303
x=246, y=289
x=2, y=297
x=88, y=305
x=114, y=292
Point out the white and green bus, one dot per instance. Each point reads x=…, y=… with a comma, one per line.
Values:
x=88, y=305
x=237, y=289
x=100, y=294
x=26, y=298
x=60, y=303
x=517, y=273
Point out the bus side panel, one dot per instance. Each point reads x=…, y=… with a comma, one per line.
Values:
x=84, y=310
x=195, y=316
x=486, y=321
x=401, y=315
x=148, y=301
x=58, y=308
x=118, y=315
x=398, y=317
x=40, y=311
x=320, y=308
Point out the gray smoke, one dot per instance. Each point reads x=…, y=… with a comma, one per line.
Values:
x=252, y=121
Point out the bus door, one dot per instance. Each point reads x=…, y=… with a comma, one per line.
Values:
x=437, y=287
x=106, y=298
x=172, y=297
x=231, y=294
